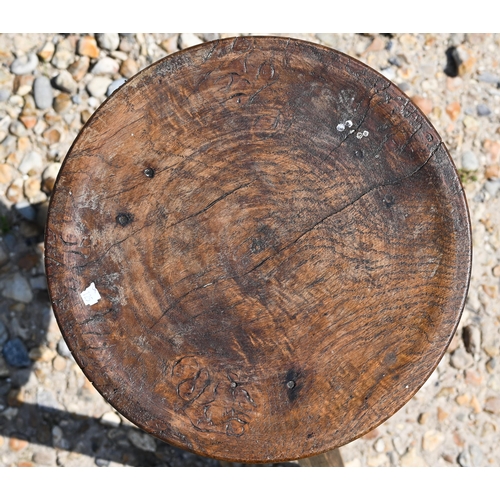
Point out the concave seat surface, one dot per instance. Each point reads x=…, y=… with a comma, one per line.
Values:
x=280, y=244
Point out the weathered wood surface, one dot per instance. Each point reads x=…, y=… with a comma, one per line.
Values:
x=280, y=243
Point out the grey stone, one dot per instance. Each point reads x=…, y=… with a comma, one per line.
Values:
x=63, y=349
x=464, y=459
x=472, y=338
x=492, y=187
x=4, y=334
x=32, y=161
x=210, y=37
x=483, y=110
x=24, y=65
x=17, y=288
x=98, y=85
x=46, y=456
x=4, y=369
x=141, y=440
x=64, y=81
x=58, y=438
x=15, y=353
x=43, y=93
x=115, y=85
x=38, y=282
x=470, y=161
x=4, y=95
x=460, y=359
x=17, y=330
x=105, y=66
x=476, y=456
x=18, y=129
x=487, y=77
x=4, y=258
x=108, y=41
x=102, y=462
x=26, y=210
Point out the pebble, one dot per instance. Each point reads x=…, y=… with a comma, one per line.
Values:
x=492, y=172
x=4, y=368
x=46, y=456
x=63, y=349
x=483, y=110
x=87, y=46
x=492, y=405
x=62, y=102
x=32, y=162
x=129, y=68
x=98, y=86
x=42, y=353
x=17, y=288
x=453, y=110
x=17, y=444
x=64, y=55
x=65, y=82
x=425, y=104
x=59, y=363
x=469, y=161
x=4, y=94
x=412, y=459
x=461, y=359
x=108, y=41
x=42, y=92
x=488, y=78
x=189, y=40
x=32, y=187
x=432, y=440
x=472, y=338
x=141, y=440
x=15, y=353
x=24, y=65
x=79, y=68
x=115, y=85
x=379, y=445
x=47, y=51
x=105, y=66
x=111, y=419
x=18, y=129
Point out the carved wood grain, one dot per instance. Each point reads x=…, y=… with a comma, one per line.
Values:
x=280, y=242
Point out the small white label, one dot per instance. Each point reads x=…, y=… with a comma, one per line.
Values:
x=90, y=295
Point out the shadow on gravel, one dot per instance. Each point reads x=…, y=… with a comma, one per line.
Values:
x=36, y=370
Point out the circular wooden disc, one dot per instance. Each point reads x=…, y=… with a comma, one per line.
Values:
x=258, y=249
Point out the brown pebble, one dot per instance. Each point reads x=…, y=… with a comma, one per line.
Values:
x=87, y=46
x=170, y=44
x=492, y=149
x=7, y=173
x=28, y=121
x=491, y=350
x=23, y=84
x=463, y=399
x=42, y=353
x=46, y=52
x=51, y=118
x=62, y=102
x=424, y=103
x=448, y=458
x=52, y=136
x=79, y=68
x=472, y=377
x=59, y=363
x=490, y=290
x=454, y=343
x=16, y=444
x=453, y=110
x=372, y=434
x=492, y=172
x=474, y=403
x=26, y=464
x=15, y=191
x=32, y=187
x=129, y=68
x=457, y=439
x=423, y=417
x=492, y=405
x=1, y=441
x=445, y=392
x=441, y=414
x=377, y=44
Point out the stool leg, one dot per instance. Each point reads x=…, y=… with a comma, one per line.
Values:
x=331, y=458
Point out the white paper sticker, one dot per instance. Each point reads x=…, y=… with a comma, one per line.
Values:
x=90, y=296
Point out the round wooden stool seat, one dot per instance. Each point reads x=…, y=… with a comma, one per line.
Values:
x=258, y=249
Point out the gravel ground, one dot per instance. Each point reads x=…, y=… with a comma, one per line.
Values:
x=50, y=84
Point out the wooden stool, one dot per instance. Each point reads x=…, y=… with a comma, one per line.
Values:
x=258, y=249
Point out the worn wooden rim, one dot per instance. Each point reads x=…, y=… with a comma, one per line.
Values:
x=315, y=402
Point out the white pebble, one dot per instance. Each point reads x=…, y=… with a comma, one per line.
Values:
x=340, y=127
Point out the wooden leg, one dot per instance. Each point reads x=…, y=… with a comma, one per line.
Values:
x=332, y=458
